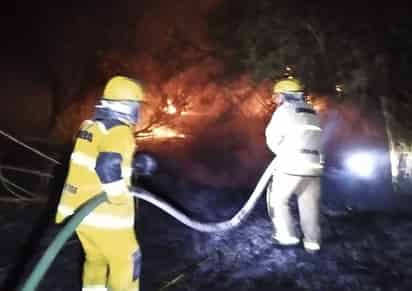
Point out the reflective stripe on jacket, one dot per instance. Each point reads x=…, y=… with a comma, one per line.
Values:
x=101, y=161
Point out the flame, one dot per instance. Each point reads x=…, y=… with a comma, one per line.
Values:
x=193, y=113
x=170, y=108
x=166, y=132
x=161, y=132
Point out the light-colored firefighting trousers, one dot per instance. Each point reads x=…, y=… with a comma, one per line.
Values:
x=307, y=190
x=112, y=259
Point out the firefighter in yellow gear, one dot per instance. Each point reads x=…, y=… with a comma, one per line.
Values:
x=294, y=134
x=102, y=161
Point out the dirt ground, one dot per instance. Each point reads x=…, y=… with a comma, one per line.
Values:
x=364, y=248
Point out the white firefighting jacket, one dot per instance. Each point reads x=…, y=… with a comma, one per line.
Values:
x=294, y=135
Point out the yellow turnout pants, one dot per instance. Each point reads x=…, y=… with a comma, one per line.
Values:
x=112, y=259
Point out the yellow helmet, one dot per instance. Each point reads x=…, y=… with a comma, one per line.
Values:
x=287, y=85
x=121, y=88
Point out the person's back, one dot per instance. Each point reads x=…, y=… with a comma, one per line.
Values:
x=83, y=182
x=300, y=152
x=294, y=135
x=102, y=161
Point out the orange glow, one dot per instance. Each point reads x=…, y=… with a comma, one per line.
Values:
x=192, y=113
x=165, y=132
x=319, y=103
x=162, y=132
x=170, y=108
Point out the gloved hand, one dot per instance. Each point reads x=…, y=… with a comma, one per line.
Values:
x=144, y=164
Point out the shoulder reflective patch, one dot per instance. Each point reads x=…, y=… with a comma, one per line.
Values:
x=305, y=110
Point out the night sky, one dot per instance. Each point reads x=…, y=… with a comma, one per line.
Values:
x=32, y=32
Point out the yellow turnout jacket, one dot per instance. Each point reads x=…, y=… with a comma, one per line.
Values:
x=101, y=161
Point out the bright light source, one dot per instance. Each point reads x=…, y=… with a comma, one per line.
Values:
x=361, y=164
x=394, y=157
x=339, y=88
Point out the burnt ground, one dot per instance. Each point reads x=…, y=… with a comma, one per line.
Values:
x=365, y=248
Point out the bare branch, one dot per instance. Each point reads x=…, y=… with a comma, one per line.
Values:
x=29, y=147
x=7, y=182
x=27, y=171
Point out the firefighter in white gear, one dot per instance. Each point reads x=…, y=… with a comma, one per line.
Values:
x=102, y=161
x=294, y=136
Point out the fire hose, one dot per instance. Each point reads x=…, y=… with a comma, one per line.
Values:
x=64, y=234
x=73, y=221
x=44, y=263
x=180, y=216
x=209, y=226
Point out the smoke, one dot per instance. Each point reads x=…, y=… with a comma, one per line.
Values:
x=169, y=47
x=226, y=112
